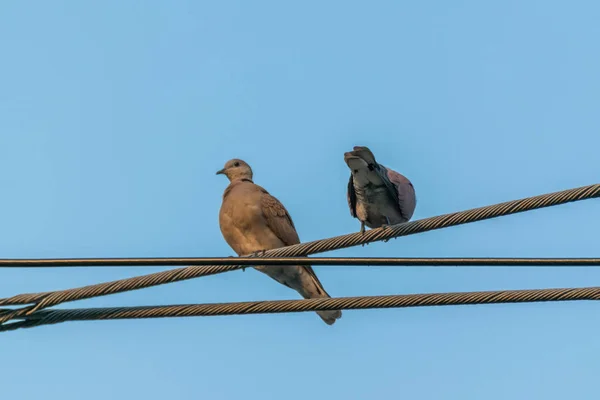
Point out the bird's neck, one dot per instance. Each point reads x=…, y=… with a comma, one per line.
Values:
x=234, y=183
x=241, y=179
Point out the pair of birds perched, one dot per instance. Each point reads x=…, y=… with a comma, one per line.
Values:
x=253, y=221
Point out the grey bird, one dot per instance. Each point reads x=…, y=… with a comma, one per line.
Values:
x=377, y=196
x=252, y=221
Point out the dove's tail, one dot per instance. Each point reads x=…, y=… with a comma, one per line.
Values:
x=317, y=290
x=304, y=280
x=330, y=316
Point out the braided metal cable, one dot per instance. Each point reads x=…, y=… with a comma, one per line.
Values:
x=46, y=317
x=49, y=299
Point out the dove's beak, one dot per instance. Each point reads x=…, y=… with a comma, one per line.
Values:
x=221, y=171
x=350, y=156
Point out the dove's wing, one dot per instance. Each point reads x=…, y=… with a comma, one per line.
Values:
x=382, y=172
x=405, y=193
x=281, y=224
x=278, y=219
x=351, y=196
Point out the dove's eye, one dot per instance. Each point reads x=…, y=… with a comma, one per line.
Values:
x=237, y=164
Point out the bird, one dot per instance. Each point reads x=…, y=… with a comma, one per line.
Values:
x=253, y=221
x=377, y=196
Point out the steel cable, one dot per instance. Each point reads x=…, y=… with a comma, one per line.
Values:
x=46, y=317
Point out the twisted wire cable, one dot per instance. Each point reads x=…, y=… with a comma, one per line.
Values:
x=46, y=317
x=49, y=299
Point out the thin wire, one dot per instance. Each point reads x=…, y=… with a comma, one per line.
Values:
x=321, y=261
x=49, y=299
x=46, y=317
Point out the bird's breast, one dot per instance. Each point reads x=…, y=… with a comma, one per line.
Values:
x=242, y=214
x=374, y=204
x=371, y=193
x=241, y=225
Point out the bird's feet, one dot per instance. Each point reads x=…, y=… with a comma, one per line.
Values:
x=383, y=228
x=387, y=224
x=259, y=253
x=362, y=231
x=243, y=267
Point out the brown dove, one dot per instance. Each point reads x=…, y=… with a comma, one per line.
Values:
x=253, y=221
x=377, y=196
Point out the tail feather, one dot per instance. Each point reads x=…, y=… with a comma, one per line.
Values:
x=329, y=317
x=303, y=280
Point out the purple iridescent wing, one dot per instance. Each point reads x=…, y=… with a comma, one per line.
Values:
x=403, y=192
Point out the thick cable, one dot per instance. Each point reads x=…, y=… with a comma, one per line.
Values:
x=46, y=317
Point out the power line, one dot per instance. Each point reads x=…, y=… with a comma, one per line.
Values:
x=321, y=261
x=38, y=301
x=46, y=317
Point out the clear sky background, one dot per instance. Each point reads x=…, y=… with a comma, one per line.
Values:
x=115, y=116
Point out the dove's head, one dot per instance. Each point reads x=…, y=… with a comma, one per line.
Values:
x=361, y=163
x=358, y=167
x=364, y=153
x=236, y=170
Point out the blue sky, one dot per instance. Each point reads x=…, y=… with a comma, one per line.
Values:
x=115, y=116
